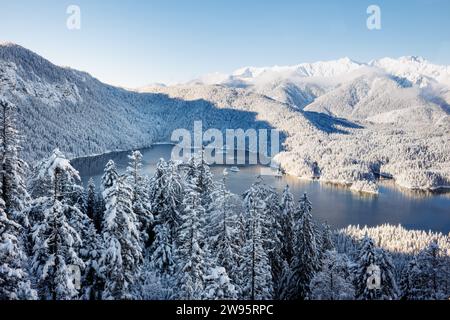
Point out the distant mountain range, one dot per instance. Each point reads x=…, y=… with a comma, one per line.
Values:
x=343, y=121
x=372, y=91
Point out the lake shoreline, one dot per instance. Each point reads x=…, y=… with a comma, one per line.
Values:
x=334, y=203
x=345, y=184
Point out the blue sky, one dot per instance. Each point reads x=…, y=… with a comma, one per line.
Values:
x=136, y=42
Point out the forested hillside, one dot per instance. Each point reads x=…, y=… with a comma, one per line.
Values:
x=180, y=235
x=354, y=121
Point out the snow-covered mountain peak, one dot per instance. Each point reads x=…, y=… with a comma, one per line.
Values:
x=7, y=44
x=10, y=50
x=300, y=85
x=413, y=59
x=317, y=69
x=415, y=69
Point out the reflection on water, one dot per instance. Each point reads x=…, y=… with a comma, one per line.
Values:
x=335, y=204
x=390, y=184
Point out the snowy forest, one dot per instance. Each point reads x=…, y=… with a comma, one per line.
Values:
x=180, y=235
x=342, y=122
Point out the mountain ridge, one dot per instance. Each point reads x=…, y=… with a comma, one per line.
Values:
x=345, y=128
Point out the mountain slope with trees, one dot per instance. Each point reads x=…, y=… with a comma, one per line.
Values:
x=342, y=122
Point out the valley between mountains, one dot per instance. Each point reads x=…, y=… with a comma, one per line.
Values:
x=343, y=122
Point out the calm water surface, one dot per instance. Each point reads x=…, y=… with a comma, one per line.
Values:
x=336, y=205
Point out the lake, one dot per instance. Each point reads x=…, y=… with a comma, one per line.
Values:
x=336, y=205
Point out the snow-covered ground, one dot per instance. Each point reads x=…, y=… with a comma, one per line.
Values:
x=344, y=121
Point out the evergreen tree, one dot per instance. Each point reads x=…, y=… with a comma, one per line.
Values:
x=287, y=224
x=222, y=230
x=14, y=279
x=140, y=200
x=365, y=280
x=270, y=214
x=153, y=286
x=166, y=192
x=122, y=255
x=57, y=231
x=199, y=173
x=12, y=167
x=407, y=280
x=60, y=182
x=429, y=275
x=238, y=274
x=274, y=232
x=333, y=281
x=110, y=175
x=165, y=195
x=218, y=285
x=327, y=239
x=109, y=181
x=91, y=199
x=162, y=251
x=55, y=255
x=92, y=282
x=93, y=206
x=306, y=260
x=99, y=210
x=191, y=256
x=54, y=176
x=389, y=289
x=255, y=266
x=284, y=291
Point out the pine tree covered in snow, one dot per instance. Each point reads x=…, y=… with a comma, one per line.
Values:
x=166, y=192
x=427, y=275
x=255, y=267
x=287, y=225
x=122, y=255
x=218, y=285
x=327, y=239
x=55, y=176
x=92, y=280
x=110, y=175
x=162, y=250
x=94, y=205
x=109, y=180
x=57, y=173
x=90, y=200
x=366, y=267
x=13, y=168
x=334, y=279
x=273, y=233
x=199, y=173
x=153, y=285
x=140, y=200
x=55, y=255
x=191, y=258
x=223, y=232
x=407, y=280
x=284, y=292
x=14, y=279
x=239, y=241
x=306, y=260
x=58, y=231
x=389, y=289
